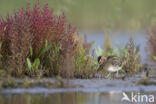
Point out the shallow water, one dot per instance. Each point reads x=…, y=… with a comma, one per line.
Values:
x=120, y=39
x=71, y=98
x=63, y=98
x=86, y=91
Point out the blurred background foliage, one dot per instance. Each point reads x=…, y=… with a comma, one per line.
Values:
x=97, y=15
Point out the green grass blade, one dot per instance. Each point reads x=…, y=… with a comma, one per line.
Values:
x=36, y=63
x=29, y=63
x=56, y=52
x=31, y=51
x=43, y=50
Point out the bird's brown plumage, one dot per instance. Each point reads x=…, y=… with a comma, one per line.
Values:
x=105, y=62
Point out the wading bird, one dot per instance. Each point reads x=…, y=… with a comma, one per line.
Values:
x=110, y=64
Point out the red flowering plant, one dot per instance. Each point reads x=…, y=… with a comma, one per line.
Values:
x=37, y=42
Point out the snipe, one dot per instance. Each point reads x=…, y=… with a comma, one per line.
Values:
x=110, y=64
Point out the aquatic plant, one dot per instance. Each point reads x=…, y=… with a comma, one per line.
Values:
x=132, y=55
x=108, y=49
x=152, y=43
x=32, y=66
x=36, y=41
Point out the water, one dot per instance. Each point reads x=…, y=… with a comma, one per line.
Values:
x=120, y=39
x=63, y=98
x=70, y=98
x=88, y=91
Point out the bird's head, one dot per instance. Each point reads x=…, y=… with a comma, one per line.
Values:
x=101, y=59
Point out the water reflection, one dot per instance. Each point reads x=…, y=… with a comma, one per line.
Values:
x=65, y=98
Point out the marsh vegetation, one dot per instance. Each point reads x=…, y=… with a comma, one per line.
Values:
x=41, y=51
x=37, y=43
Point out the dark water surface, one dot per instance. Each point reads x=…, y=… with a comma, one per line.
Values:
x=62, y=98
x=71, y=98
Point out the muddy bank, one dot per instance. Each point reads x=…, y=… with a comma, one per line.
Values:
x=90, y=85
